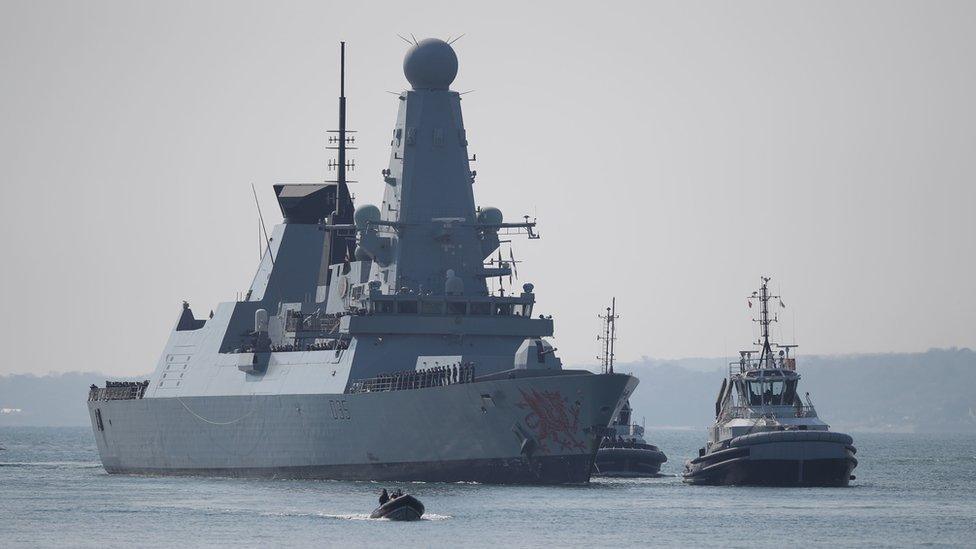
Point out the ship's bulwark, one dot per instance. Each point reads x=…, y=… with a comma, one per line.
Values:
x=525, y=430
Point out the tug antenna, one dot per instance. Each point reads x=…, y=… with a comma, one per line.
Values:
x=608, y=336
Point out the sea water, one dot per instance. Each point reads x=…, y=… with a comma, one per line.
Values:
x=911, y=489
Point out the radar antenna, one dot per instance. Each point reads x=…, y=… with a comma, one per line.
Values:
x=608, y=336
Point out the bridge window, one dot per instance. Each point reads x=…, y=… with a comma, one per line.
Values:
x=769, y=392
x=755, y=393
x=383, y=307
x=503, y=309
x=774, y=395
x=432, y=307
x=456, y=307
x=480, y=308
x=407, y=307
x=789, y=396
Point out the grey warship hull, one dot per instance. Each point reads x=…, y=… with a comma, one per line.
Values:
x=465, y=432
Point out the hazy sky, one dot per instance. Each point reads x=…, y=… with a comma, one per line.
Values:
x=673, y=152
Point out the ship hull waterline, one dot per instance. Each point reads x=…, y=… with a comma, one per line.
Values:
x=538, y=430
x=793, y=463
x=628, y=463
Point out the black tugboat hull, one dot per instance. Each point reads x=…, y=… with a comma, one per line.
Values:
x=628, y=462
x=778, y=459
x=746, y=472
x=405, y=507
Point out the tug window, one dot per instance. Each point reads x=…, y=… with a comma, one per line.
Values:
x=789, y=396
x=775, y=395
x=755, y=392
x=768, y=392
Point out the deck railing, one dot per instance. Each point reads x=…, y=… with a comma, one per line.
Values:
x=415, y=379
x=742, y=366
x=118, y=390
x=751, y=412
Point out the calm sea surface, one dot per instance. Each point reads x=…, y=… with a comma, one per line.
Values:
x=910, y=490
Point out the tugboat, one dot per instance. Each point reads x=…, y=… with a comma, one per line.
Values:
x=764, y=434
x=623, y=452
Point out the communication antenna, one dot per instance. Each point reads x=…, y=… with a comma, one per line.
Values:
x=608, y=336
x=764, y=320
x=342, y=240
x=514, y=263
x=501, y=282
x=341, y=143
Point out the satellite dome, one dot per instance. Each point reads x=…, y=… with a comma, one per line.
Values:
x=366, y=214
x=490, y=216
x=430, y=64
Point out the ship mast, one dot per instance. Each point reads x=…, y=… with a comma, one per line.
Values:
x=341, y=144
x=608, y=335
x=764, y=321
x=342, y=239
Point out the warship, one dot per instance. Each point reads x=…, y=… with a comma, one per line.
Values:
x=370, y=345
x=623, y=452
x=764, y=433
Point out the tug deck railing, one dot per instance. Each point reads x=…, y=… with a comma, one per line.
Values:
x=752, y=412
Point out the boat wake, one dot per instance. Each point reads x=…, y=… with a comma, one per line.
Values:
x=53, y=464
x=351, y=516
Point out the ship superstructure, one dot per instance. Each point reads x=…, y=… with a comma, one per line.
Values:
x=764, y=433
x=369, y=345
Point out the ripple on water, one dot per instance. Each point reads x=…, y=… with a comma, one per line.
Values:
x=911, y=490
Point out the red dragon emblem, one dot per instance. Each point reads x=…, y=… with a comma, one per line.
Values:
x=552, y=419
